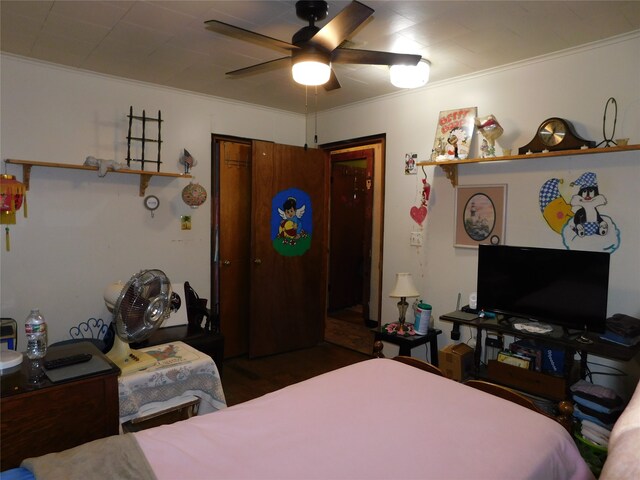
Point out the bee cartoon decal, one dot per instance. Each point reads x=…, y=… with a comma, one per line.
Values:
x=291, y=222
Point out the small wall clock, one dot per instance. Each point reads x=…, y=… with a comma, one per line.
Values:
x=555, y=134
x=151, y=203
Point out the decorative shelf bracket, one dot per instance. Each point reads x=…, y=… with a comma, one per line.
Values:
x=451, y=172
x=26, y=175
x=145, y=178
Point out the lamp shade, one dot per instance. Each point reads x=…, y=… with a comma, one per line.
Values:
x=194, y=195
x=311, y=68
x=404, y=286
x=12, y=194
x=410, y=76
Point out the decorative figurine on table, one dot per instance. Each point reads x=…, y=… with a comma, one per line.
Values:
x=491, y=130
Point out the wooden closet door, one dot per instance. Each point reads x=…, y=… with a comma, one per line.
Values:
x=288, y=293
x=234, y=234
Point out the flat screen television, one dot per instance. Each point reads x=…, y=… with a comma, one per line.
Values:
x=563, y=287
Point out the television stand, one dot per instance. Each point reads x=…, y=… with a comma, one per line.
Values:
x=580, y=336
x=540, y=383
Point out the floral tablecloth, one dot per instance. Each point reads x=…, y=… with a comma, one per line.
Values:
x=181, y=373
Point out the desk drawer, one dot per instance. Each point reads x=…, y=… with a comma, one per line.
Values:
x=529, y=381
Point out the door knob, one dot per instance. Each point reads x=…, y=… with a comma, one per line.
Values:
x=257, y=261
x=226, y=262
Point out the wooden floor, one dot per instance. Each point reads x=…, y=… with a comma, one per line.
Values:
x=347, y=328
x=244, y=379
x=353, y=336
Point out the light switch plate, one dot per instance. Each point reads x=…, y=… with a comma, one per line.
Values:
x=415, y=239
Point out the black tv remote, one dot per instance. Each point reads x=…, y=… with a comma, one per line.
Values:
x=66, y=361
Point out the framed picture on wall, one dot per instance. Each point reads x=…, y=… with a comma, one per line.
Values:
x=480, y=215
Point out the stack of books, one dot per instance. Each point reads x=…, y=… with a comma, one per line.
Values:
x=622, y=329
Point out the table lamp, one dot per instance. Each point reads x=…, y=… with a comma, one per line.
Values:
x=404, y=288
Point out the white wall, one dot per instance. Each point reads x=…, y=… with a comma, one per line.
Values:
x=84, y=232
x=574, y=85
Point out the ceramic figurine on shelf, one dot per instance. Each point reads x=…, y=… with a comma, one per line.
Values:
x=103, y=165
x=187, y=160
x=491, y=130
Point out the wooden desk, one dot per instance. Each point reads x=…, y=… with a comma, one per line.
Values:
x=407, y=343
x=37, y=419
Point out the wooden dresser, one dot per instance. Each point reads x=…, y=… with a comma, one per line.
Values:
x=36, y=419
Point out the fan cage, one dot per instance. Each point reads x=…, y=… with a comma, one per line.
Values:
x=143, y=305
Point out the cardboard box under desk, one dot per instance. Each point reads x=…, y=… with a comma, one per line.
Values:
x=456, y=361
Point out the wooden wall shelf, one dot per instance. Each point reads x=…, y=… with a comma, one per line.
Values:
x=450, y=167
x=145, y=177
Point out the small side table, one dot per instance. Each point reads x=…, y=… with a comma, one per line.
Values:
x=407, y=343
x=210, y=343
x=181, y=373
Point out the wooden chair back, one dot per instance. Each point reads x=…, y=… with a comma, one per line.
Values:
x=421, y=364
x=565, y=408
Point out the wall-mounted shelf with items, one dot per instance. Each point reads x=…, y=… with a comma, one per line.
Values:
x=450, y=167
x=145, y=177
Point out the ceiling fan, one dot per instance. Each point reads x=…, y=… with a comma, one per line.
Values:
x=313, y=49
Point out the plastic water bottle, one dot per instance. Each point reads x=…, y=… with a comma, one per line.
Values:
x=36, y=329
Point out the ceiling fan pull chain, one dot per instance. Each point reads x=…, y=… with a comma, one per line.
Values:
x=315, y=136
x=306, y=116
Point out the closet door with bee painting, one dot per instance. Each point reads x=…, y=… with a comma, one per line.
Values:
x=288, y=248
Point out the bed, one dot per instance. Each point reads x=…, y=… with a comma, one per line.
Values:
x=377, y=419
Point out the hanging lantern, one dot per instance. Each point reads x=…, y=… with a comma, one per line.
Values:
x=12, y=195
x=194, y=195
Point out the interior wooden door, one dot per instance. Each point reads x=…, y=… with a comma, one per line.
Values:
x=288, y=294
x=232, y=282
x=351, y=220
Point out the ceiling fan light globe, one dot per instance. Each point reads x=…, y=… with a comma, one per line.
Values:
x=311, y=72
x=410, y=76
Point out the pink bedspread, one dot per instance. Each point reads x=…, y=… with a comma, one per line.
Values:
x=378, y=419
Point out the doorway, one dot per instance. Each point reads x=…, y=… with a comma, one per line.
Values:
x=355, y=232
x=350, y=227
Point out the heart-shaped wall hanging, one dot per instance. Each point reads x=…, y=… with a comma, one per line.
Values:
x=418, y=214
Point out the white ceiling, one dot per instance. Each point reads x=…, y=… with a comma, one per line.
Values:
x=166, y=42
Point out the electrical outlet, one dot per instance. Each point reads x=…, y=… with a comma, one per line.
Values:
x=416, y=239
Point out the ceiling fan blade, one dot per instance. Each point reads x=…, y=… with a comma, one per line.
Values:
x=341, y=26
x=249, y=36
x=262, y=67
x=332, y=83
x=371, y=57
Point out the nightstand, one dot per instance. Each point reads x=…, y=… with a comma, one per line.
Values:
x=407, y=343
x=36, y=419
